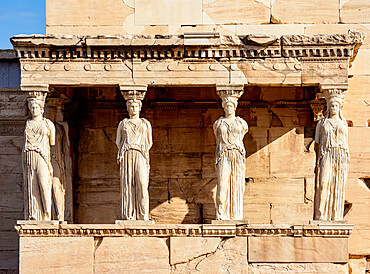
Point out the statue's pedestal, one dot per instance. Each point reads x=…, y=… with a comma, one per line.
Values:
x=34, y=222
x=230, y=222
x=320, y=222
x=134, y=222
x=182, y=248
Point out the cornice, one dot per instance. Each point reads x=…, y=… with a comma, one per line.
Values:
x=59, y=48
x=352, y=37
x=175, y=230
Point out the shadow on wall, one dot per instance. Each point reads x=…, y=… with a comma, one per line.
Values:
x=182, y=176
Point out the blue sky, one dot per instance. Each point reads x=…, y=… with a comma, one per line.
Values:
x=20, y=17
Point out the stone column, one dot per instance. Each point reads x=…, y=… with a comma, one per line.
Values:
x=229, y=131
x=134, y=140
x=332, y=157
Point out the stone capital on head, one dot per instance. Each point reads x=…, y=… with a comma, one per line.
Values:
x=133, y=91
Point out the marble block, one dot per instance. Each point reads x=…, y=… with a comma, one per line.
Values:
x=185, y=249
x=56, y=255
x=297, y=249
x=131, y=255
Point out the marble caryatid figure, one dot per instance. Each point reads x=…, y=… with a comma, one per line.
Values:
x=134, y=139
x=331, y=145
x=39, y=135
x=59, y=156
x=230, y=158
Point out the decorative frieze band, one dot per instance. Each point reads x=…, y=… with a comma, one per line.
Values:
x=211, y=230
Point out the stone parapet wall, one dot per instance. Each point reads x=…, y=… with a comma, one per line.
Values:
x=183, y=248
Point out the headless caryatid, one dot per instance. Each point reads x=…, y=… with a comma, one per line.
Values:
x=39, y=136
x=134, y=139
x=332, y=158
x=230, y=158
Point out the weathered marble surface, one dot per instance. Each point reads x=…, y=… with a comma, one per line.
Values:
x=131, y=255
x=39, y=135
x=225, y=16
x=230, y=155
x=56, y=255
x=282, y=268
x=134, y=140
x=331, y=140
x=182, y=248
x=297, y=249
x=230, y=256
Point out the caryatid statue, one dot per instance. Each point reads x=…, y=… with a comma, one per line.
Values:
x=134, y=139
x=60, y=160
x=230, y=156
x=39, y=135
x=332, y=158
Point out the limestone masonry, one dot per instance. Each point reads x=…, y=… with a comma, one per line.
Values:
x=186, y=136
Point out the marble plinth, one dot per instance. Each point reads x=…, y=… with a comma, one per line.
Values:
x=134, y=222
x=320, y=222
x=230, y=222
x=33, y=222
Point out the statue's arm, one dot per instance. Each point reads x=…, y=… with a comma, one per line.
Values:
x=346, y=140
x=119, y=135
x=245, y=126
x=150, y=140
x=51, y=132
x=215, y=126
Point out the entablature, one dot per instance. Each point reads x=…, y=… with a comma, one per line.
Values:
x=191, y=59
x=57, y=47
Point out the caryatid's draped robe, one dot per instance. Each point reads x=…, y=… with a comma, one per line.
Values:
x=332, y=139
x=38, y=171
x=134, y=139
x=230, y=167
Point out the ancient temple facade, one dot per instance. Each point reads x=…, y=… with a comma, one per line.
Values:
x=282, y=57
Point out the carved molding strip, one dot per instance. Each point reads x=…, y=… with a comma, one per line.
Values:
x=206, y=230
